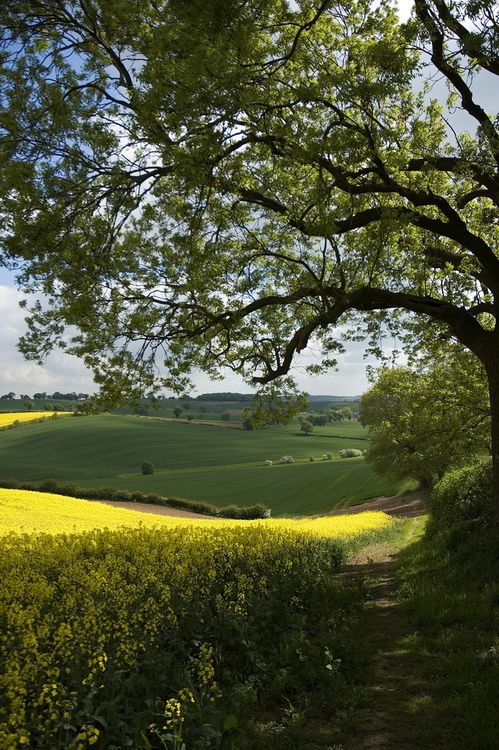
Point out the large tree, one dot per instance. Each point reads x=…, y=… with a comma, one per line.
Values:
x=224, y=181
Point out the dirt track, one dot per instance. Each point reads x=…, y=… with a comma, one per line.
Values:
x=160, y=510
x=403, y=506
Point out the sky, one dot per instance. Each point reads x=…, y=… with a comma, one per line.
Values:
x=64, y=373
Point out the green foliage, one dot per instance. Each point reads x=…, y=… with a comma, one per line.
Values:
x=306, y=426
x=147, y=467
x=463, y=494
x=244, y=513
x=423, y=422
x=449, y=590
x=263, y=179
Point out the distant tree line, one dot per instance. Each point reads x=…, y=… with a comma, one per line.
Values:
x=226, y=396
x=331, y=415
x=42, y=396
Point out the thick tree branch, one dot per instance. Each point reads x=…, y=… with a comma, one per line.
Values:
x=438, y=58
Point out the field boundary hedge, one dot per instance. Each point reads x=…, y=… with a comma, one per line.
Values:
x=110, y=493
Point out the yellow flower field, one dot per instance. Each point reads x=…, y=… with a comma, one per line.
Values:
x=27, y=416
x=127, y=629
x=23, y=511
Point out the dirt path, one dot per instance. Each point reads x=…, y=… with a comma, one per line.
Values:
x=403, y=506
x=408, y=505
x=160, y=510
x=381, y=722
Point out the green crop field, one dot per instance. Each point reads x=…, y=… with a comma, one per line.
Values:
x=199, y=462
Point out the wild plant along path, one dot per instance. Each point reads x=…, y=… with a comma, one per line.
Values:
x=387, y=718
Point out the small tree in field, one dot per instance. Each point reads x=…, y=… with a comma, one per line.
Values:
x=177, y=411
x=147, y=468
x=306, y=427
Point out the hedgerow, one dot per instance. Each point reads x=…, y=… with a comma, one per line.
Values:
x=110, y=493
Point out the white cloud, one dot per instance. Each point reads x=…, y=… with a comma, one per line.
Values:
x=61, y=371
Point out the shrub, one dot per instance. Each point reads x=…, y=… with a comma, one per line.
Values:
x=147, y=467
x=311, y=458
x=286, y=460
x=350, y=453
x=306, y=427
x=464, y=494
x=244, y=513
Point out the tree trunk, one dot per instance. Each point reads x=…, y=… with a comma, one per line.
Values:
x=492, y=368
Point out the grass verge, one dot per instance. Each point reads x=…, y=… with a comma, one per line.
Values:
x=449, y=591
x=428, y=636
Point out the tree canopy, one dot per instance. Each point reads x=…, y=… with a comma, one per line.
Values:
x=424, y=422
x=221, y=182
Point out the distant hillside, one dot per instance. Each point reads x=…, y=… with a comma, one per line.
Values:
x=333, y=398
x=247, y=397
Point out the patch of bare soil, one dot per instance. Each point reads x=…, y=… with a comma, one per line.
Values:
x=160, y=510
x=403, y=506
x=408, y=505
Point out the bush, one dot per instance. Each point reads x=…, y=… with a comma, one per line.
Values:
x=464, y=494
x=286, y=460
x=147, y=467
x=350, y=453
x=306, y=427
x=244, y=513
x=311, y=458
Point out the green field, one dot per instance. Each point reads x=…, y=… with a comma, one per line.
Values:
x=199, y=462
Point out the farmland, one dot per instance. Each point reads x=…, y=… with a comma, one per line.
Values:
x=198, y=462
x=139, y=636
